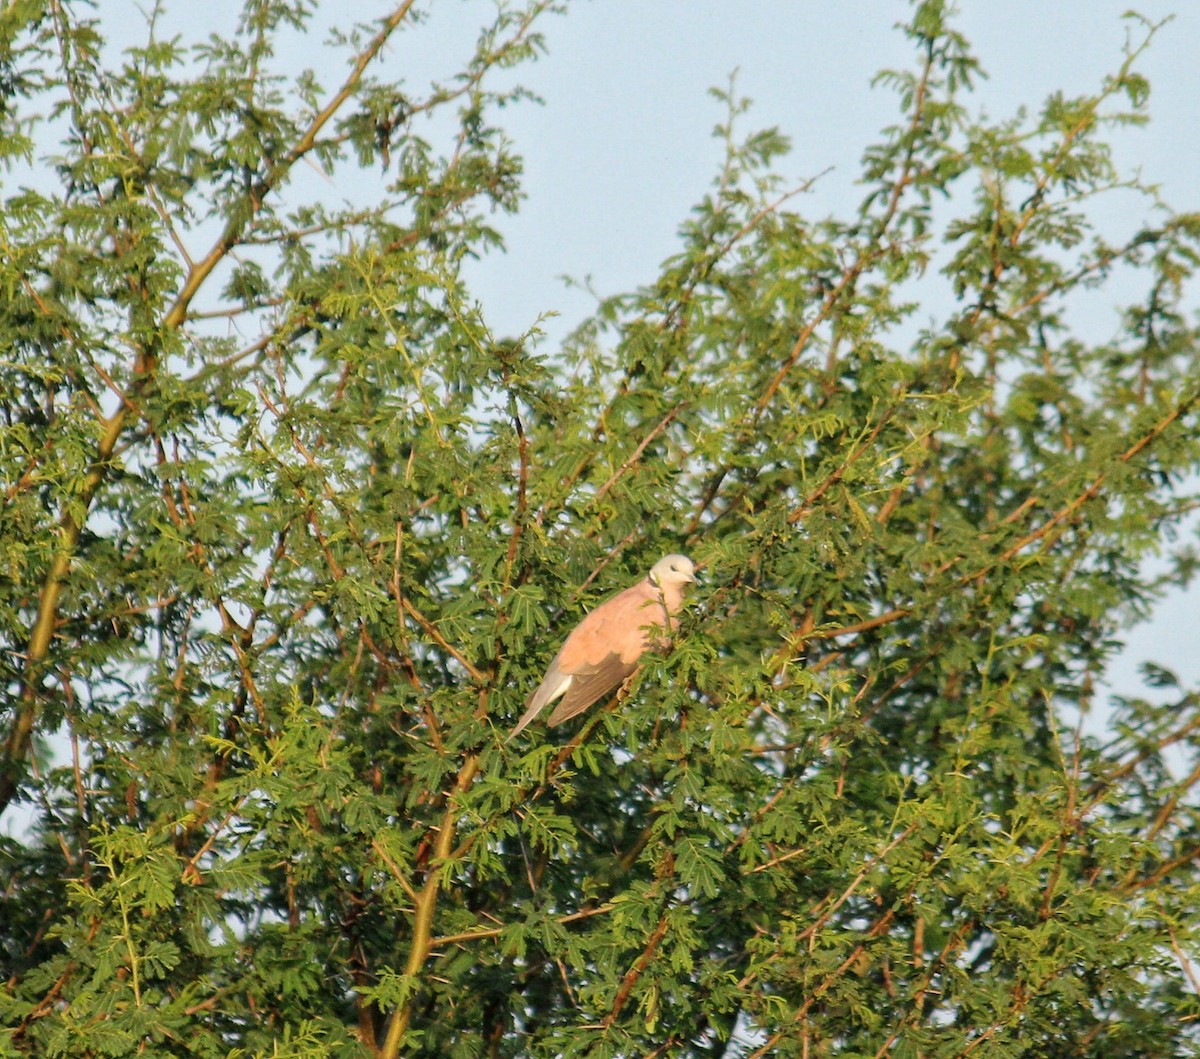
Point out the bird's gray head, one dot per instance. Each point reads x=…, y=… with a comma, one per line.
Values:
x=673, y=570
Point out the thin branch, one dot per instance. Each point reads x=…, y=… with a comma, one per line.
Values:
x=426, y=903
x=635, y=972
x=240, y=221
x=431, y=630
x=495, y=932
x=637, y=453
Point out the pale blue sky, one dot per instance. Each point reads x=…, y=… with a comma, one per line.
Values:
x=621, y=149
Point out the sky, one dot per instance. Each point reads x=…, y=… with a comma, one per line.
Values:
x=621, y=147
x=627, y=117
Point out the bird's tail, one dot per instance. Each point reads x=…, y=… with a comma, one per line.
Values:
x=553, y=684
x=532, y=709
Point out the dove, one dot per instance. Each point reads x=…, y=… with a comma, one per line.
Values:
x=604, y=648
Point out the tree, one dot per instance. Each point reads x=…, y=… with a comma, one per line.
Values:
x=288, y=534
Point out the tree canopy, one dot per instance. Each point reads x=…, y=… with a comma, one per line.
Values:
x=288, y=534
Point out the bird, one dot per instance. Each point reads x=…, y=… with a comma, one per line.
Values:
x=604, y=648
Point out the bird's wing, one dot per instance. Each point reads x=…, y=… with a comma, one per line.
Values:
x=589, y=683
x=616, y=627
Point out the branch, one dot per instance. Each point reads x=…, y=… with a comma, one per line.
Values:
x=240, y=220
x=637, y=453
x=866, y=256
x=431, y=630
x=426, y=904
x=880, y=926
x=805, y=509
x=635, y=972
x=493, y=932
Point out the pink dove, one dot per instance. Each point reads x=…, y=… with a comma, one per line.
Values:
x=607, y=645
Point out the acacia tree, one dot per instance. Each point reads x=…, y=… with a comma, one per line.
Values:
x=288, y=534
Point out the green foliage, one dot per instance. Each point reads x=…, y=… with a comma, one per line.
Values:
x=288, y=534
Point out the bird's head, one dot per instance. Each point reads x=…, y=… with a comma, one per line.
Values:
x=673, y=570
